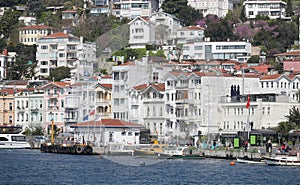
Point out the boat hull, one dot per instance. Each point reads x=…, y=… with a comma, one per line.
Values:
x=282, y=161
x=239, y=160
x=14, y=145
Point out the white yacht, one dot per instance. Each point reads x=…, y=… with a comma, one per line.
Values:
x=12, y=138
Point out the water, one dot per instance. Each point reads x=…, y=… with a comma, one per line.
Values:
x=33, y=167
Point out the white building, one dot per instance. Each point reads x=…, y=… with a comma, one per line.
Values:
x=62, y=49
x=190, y=34
x=147, y=105
x=215, y=7
x=27, y=21
x=99, y=7
x=166, y=26
x=108, y=132
x=129, y=75
x=6, y=59
x=272, y=9
x=142, y=32
x=239, y=51
x=29, y=108
x=132, y=8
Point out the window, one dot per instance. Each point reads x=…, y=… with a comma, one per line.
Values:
x=111, y=136
x=155, y=76
x=44, y=47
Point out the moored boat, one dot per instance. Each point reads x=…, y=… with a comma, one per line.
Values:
x=11, y=137
x=284, y=160
x=181, y=152
x=250, y=161
x=151, y=151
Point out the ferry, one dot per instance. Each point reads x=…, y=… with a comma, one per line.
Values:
x=11, y=137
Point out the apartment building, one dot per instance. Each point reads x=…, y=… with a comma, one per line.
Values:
x=100, y=7
x=29, y=35
x=55, y=105
x=216, y=7
x=239, y=51
x=62, y=49
x=129, y=75
x=132, y=8
x=29, y=108
x=272, y=9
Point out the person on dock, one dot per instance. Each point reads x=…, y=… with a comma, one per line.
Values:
x=269, y=146
x=293, y=142
x=246, y=145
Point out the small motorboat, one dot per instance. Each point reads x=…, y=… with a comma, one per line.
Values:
x=284, y=160
x=250, y=161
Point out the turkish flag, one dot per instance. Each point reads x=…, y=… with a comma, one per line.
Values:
x=248, y=102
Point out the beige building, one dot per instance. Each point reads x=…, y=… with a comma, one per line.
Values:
x=29, y=35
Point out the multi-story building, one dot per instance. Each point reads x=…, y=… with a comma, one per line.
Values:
x=7, y=111
x=147, y=105
x=55, y=105
x=215, y=7
x=29, y=35
x=6, y=59
x=103, y=100
x=132, y=8
x=272, y=9
x=129, y=75
x=80, y=101
x=142, y=32
x=62, y=49
x=190, y=34
x=70, y=15
x=99, y=7
x=29, y=108
x=239, y=51
x=166, y=26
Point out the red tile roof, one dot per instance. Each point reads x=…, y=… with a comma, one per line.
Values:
x=271, y=77
x=112, y=123
x=290, y=53
x=57, y=35
x=10, y=90
x=189, y=28
x=158, y=86
x=109, y=86
x=35, y=27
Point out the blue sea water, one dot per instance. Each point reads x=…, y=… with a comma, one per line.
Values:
x=33, y=167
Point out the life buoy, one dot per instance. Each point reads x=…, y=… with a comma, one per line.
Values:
x=79, y=149
x=88, y=149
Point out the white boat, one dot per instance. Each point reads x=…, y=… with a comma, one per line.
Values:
x=180, y=152
x=249, y=161
x=12, y=138
x=283, y=160
x=13, y=141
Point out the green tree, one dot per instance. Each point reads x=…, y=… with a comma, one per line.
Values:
x=7, y=22
x=284, y=128
x=219, y=30
x=131, y=53
x=23, y=67
x=253, y=59
x=182, y=11
x=294, y=116
x=289, y=8
x=60, y=73
x=243, y=14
